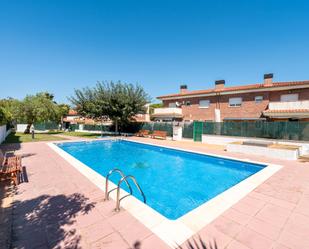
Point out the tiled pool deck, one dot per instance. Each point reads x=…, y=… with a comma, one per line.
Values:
x=60, y=208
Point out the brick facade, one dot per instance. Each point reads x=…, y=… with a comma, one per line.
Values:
x=249, y=109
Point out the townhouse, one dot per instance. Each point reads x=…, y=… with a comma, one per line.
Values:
x=274, y=101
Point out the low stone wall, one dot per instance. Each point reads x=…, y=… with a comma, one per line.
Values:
x=285, y=154
x=225, y=140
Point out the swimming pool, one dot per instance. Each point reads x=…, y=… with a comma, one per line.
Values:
x=175, y=182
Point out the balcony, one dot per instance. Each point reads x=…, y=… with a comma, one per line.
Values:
x=288, y=109
x=291, y=105
x=170, y=112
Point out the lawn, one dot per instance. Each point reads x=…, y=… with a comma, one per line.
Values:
x=23, y=138
x=82, y=134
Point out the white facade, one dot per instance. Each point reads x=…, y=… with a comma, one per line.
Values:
x=289, y=105
x=169, y=110
x=3, y=133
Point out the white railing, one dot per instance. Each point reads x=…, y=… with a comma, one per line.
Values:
x=289, y=105
x=168, y=110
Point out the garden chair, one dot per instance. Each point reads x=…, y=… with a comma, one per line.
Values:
x=142, y=133
x=159, y=134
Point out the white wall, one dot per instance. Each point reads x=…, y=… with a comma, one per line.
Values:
x=21, y=127
x=3, y=133
x=264, y=151
x=224, y=140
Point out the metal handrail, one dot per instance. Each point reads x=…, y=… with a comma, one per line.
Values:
x=118, y=190
x=106, y=183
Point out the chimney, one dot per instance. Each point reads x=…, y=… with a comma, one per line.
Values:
x=268, y=79
x=183, y=89
x=219, y=84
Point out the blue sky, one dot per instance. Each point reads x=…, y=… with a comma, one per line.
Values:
x=60, y=45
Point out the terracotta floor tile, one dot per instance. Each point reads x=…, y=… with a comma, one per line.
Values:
x=153, y=242
x=253, y=240
x=113, y=241
x=226, y=226
x=97, y=231
x=236, y=245
x=274, y=215
x=293, y=241
x=237, y=216
x=270, y=231
x=298, y=224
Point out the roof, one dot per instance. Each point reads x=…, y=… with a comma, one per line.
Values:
x=239, y=88
x=72, y=112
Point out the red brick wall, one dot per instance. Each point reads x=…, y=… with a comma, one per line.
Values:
x=248, y=109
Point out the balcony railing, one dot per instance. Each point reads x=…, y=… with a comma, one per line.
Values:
x=168, y=110
x=289, y=105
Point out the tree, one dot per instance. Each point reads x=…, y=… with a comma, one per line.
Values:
x=3, y=116
x=154, y=106
x=11, y=107
x=38, y=108
x=119, y=102
x=62, y=110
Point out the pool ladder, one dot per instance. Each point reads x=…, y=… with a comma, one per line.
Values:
x=123, y=179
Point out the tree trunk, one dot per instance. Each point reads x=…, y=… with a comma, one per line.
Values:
x=27, y=131
x=116, y=126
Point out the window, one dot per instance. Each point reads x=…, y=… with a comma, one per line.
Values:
x=172, y=105
x=258, y=99
x=234, y=102
x=289, y=97
x=204, y=103
x=188, y=103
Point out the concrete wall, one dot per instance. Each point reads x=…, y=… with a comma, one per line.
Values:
x=264, y=151
x=21, y=127
x=224, y=140
x=3, y=133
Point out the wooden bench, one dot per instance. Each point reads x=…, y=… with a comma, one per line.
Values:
x=159, y=134
x=11, y=168
x=142, y=133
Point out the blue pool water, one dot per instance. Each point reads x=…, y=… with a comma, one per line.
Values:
x=174, y=182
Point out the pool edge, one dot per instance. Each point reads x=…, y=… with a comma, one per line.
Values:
x=175, y=232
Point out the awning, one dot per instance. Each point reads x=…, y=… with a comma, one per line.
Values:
x=245, y=119
x=167, y=115
x=288, y=113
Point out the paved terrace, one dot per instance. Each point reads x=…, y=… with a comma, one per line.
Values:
x=59, y=208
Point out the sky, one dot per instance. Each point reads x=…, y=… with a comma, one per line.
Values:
x=62, y=45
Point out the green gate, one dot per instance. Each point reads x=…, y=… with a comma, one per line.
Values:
x=197, y=131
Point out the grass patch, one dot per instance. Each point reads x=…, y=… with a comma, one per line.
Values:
x=23, y=138
x=81, y=134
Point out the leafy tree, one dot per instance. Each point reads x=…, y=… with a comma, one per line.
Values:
x=38, y=108
x=62, y=110
x=154, y=106
x=119, y=102
x=3, y=116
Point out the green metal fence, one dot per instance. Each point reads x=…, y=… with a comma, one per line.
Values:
x=187, y=131
x=97, y=127
x=261, y=129
x=46, y=126
x=168, y=127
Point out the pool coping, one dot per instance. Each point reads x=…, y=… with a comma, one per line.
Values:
x=174, y=232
